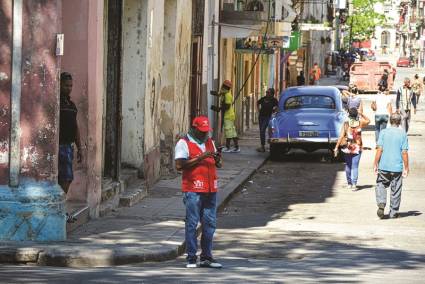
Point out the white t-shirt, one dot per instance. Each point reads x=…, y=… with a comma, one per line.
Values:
x=382, y=102
x=181, y=150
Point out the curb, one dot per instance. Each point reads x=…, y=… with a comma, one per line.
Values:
x=78, y=255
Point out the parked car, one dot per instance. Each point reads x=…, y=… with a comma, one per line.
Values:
x=309, y=118
x=404, y=62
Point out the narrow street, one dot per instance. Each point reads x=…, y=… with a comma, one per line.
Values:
x=294, y=222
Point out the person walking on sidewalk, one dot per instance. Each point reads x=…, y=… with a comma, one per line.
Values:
x=391, y=165
x=417, y=88
x=69, y=134
x=197, y=157
x=266, y=106
x=229, y=117
x=404, y=102
x=383, y=109
x=351, y=143
x=315, y=74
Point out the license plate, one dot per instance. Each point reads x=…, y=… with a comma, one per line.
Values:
x=308, y=133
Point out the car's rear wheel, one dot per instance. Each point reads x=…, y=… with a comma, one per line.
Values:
x=277, y=151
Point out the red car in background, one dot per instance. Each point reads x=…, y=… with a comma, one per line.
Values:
x=404, y=62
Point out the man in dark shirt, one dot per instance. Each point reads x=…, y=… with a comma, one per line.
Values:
x=301, y=79
x=68, y=133
x=266, y=106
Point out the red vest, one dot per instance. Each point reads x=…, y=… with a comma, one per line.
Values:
x=203, y=176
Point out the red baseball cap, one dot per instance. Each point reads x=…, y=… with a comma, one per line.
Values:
x=201, y=123
x=228, y=83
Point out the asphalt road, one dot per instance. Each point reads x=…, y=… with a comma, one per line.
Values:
x=294, y=222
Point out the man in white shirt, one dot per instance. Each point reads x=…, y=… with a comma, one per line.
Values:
x=383, y=109
x=197, y=157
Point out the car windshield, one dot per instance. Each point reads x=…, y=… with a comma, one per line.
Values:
x=310, y=101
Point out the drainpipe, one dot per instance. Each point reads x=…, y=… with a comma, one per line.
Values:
x=15, y=127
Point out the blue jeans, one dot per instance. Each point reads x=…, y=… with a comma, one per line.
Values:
x=200, y=207
x=66, y=156
x=352, y=167
x=263, y=122
x=381, y=121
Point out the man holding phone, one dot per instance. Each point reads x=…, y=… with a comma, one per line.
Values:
x=391, y=165
x=197, y=157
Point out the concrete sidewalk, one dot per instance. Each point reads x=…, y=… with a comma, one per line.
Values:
x=152, y=230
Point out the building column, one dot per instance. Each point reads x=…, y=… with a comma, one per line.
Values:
x=31, y=202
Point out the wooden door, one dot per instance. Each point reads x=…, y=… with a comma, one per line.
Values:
x=113, y=117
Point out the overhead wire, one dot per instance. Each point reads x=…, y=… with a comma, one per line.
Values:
x=256, y=60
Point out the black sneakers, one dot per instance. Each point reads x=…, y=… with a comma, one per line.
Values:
x=191, y=263
x=210, y=263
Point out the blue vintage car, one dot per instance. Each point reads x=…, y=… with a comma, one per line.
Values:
x=309, y=118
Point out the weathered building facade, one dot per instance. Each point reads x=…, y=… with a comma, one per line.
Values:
x=31, y=202
x=131, y=66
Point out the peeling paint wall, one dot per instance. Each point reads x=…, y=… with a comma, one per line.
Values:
x=39, y=99
x=155, y=29
x=34, y=209
x=83, y=57
x=134, y=81
x=175, y=77
x=75, y=60
x=5, y=86
x=168, y=90
x=183, y=66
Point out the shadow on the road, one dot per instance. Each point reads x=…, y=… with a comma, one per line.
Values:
x=300, y=256
x=366, y=186
x=409, y=213
x=299, y=178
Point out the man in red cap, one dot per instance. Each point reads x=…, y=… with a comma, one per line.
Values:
x=197, y=157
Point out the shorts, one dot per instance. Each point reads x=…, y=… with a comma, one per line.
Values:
x=230, y=129
x=66, y=156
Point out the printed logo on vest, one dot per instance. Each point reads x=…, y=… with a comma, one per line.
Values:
x=198, y=184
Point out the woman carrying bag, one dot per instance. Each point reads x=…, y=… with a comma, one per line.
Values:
x=350, y=141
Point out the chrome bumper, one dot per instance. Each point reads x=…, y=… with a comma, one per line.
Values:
x=288, y=140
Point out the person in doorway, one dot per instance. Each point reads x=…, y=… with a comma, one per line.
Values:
x=315, y=74
x=417, y=89
x=69, y=134
x=383, y=109
x=391, y=165
x=229, y=117
x=301, y=79
x=197, y=157
x=266, y=106
x=404, y=102
x=351, y=144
